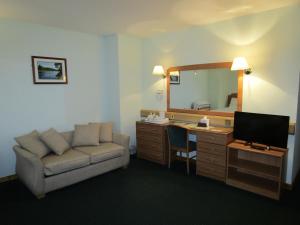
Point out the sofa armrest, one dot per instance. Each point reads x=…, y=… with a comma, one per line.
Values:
x=29, y=169
x=123, y=140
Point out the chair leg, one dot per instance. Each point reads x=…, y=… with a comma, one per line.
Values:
x=187, y=163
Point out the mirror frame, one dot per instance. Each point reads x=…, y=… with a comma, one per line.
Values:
x=220, y=65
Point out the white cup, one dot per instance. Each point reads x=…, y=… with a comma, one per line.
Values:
x=162, y=114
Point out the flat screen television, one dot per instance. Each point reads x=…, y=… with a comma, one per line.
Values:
x=269, y=130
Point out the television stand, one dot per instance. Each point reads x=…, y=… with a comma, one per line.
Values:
x=258, y=146
x=255, y=170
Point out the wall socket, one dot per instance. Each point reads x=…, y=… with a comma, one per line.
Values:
x=159, y=92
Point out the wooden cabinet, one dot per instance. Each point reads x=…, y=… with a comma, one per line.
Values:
x=211, y=154
x=258, y=171
x=152, y=142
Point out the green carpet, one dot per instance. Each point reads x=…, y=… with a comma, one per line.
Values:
x=146, y=194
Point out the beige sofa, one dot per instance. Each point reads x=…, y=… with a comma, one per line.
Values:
x=56, y=171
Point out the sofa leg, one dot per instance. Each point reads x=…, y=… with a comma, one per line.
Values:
x=40, y=196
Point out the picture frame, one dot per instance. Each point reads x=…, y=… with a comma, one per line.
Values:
x=175, y=77
x=49, y=70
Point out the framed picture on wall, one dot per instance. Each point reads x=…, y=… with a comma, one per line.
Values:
x=174, y=77
x=47, y=70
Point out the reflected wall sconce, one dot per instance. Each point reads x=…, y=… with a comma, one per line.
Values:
x=240, y=63
x=159, y=71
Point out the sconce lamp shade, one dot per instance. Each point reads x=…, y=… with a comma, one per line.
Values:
x=158, y=71
x=174, y=73
x=240, y=63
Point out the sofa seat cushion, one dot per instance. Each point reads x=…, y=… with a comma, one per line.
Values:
x=104, y=151
x=70, y=160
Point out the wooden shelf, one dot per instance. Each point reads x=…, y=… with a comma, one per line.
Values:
x=256, y=168
x=240, y=145
x=254, y=184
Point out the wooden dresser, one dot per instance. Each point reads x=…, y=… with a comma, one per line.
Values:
x=211, y=153
x=152, y=142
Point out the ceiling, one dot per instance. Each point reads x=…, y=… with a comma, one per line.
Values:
x=142, y=18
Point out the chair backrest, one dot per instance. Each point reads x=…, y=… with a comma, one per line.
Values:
x=177, y=136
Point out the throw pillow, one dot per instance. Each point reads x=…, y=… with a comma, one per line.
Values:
x=55, y=141
x=106, y=131
x=85, y=135
x=106, y=134
x=32, y=143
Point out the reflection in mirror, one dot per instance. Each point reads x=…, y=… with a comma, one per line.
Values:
x=205, y=90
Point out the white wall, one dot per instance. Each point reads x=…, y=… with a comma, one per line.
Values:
x=296, y=162
x=111, y=70
x=130, y=70
x=25, y=106
x=123, y=61
x=270, y=42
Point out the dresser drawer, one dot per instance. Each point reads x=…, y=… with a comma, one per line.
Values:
x=211, y=170
x=211, y=175
x=149, y=146
x=147, y=129
x=211, y=148
x=151, y=142
x=213, y=138
x=151, y=156
x=151, y=138
x=211, y=159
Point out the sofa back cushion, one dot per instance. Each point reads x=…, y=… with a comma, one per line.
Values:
x=55, y=141
x=85, y=135
x=32, y=143
x=106, y=131
x=68, y=136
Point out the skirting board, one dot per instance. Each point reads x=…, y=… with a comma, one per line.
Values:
x=291, y=186
x=8, y=178
x=285, y=186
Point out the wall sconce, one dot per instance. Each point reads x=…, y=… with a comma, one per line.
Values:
x=240, y=63
x=159, y=71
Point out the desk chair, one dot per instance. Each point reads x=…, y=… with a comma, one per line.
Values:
x=179, y=142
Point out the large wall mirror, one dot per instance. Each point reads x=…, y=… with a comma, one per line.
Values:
x=208, y=89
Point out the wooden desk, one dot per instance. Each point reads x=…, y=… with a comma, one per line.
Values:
x=211, y=146
x=238, y=165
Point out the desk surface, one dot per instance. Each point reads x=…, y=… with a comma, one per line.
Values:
x=194, y=127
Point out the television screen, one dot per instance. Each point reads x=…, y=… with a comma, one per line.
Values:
x=270, y=130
